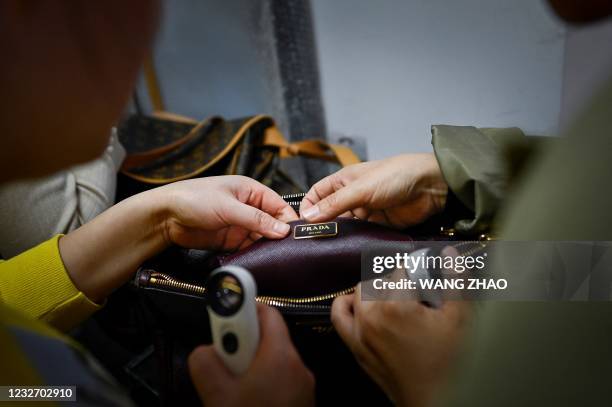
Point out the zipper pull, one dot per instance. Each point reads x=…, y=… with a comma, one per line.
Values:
x=142, y=278
x=151, y=278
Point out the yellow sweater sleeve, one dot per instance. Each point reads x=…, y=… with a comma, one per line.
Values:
x=36, y=283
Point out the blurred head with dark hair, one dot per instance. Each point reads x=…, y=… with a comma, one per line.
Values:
x=582, y=11
x=68, y=69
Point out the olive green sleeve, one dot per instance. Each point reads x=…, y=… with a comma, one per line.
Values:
x=476, y=167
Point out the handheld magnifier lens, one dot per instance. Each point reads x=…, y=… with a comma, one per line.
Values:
x=226, y=294
x=232, y=314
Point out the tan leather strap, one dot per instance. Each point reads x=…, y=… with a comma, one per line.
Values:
x=310, y=148
x=175, y=117
x=153, y=84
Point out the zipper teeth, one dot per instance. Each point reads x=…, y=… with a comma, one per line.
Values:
x=282, y=304
x=473, y=250
x=163, y=276
x=303, y=300
x=294, y=200
x=165, y=280
x=293, y=196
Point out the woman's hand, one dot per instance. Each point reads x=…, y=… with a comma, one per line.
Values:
x=406, y=347
x=277, y=376
x=228, y=212
x=400, y=191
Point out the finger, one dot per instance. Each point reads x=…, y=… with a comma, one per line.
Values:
x=343, y=319
x=281, y=211
x=250, y=238
x=457, y=310
x=331, y=184
x=255, y=220
x=379, y=217
x=274, y=331
x=343, y=200
x=254, y=236
x=260, y=196
x=450, y=274
x=275, y=341
x=208, y=372
x=449, y=251
x=346, y=321
x=454, y=307
x=320, y=190
x=361, y=213
x=357, y=303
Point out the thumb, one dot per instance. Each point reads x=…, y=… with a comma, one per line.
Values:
x=209, y=375
x=343, y=200
x=256, y=220
x=343, y=318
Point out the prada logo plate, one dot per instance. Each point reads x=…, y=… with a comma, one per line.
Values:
x=315, y=230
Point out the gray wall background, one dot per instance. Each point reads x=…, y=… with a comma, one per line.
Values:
x=389, y=68
x=216, y=57
x=392, y=68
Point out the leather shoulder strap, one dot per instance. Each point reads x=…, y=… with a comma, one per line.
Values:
x=313, y=148
x=152, y=83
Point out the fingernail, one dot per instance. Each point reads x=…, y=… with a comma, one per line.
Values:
x=311, y=212
x=281, y=228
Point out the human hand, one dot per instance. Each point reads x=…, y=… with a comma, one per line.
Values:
x=400, y=191
x=276, y=377
x=228, y=213
x=404, y=346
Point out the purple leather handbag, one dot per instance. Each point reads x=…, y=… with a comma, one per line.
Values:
x=315, y=263
x=301, y=273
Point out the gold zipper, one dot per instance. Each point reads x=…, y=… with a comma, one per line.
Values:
x=288, y=301
x=164, y=280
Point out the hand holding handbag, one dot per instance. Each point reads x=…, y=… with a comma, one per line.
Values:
x=299, y=275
